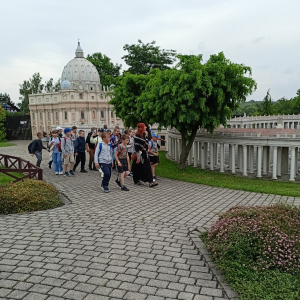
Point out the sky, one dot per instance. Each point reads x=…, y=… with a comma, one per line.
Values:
x=38, y=36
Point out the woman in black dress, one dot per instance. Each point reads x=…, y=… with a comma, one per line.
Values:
x=141, y=168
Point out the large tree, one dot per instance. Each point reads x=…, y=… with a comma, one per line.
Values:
x=126, y=98
x=107, y=70
x=6, y=98
x=142, y=58
x=34, y=85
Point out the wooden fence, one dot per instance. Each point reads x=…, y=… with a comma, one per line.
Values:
x=17, y=164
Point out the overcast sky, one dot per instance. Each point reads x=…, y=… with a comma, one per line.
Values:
x=38, y=36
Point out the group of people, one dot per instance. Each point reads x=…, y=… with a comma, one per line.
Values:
x=131, y=154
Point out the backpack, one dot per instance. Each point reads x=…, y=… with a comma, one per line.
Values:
x=113, y=157
x=59, y=145
x=30, y=147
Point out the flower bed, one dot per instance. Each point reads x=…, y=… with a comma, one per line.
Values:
x=28, y=195
x=258, y=249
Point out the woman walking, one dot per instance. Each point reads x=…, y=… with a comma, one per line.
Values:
x=141, y=166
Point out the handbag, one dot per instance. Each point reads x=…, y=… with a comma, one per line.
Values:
x=134, y=156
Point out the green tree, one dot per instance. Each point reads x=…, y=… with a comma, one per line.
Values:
x=2, y=128
x=266, y=107
x=6, y=98
x=107, y=70
x=129, y=87
x=50, y=86
x=195, y=95
x=142, y=58
x=296, y=103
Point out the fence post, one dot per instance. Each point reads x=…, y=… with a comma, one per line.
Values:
x=5, y=161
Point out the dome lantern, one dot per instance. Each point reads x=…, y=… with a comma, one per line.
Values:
x=79, y=51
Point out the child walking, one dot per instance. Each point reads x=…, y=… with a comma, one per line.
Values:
x=79, y=149
x=103, y=159
x=67, y=150
x=123, y=163
x=56, y=154
x=36, y=149
x=153, y=153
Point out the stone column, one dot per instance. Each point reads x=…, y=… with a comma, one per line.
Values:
x=60, y=117
x=44, y=120
x=51, y=116
x=251, y=159
x=222, y=158
x=230, y=155
x=245, y=160
x=279, y=161
x=292, y=170
x=90, y=116
x=258, y=162
x=195, y=150
x=109, y=116
x=233, y=158
x=274, y=162
x=98, y=120
x=115, y=119
x=171, y=148
x=296, y=161
x=106, y=116
x=69, y=116
x=211, y=156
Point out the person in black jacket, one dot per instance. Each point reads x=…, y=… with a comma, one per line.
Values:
x=90, y=148
x=79, y=150
x=36, y=149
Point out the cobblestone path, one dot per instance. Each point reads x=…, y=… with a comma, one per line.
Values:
x=120, y=245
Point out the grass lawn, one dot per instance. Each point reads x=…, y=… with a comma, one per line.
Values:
x=6, y=144
x=169, y=169
x=7, y=179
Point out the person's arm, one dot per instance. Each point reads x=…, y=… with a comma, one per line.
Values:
x=63, y=151
x=87, y=143
x=128, y=162
x=96, y=160
x=76, y=146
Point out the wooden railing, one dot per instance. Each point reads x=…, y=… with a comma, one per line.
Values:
x=17, y=164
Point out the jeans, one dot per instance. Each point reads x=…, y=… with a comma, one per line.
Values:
x=106, y=169
x=57, y=165
x=39, y=158
x=80, y=158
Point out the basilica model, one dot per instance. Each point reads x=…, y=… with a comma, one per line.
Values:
x=81, y=100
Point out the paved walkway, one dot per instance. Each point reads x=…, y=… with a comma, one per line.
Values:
x=119, y=245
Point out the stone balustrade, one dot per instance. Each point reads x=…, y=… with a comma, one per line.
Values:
x=249, y=153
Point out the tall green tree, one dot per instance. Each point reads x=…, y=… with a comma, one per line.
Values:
x=51, y=87
x=6, y=98
x=129, y=88
x=2, y=128
x=142, y=58
x=266, y=107
x=296, y=103
x=107, y=70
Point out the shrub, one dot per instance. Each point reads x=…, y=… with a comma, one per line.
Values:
x=28, y=195
x=2, y=120
x=258, y=248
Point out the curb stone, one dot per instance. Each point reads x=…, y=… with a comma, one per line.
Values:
x=204, y=254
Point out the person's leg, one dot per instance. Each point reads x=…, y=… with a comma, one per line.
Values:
x=71, y=161
x=122, y=178
x=92, y=163
x=106, y=177
x=39, y=158
x=59, y=162
x=78, y=158
x=82, y=160
x=152, y=170
x=55, y=166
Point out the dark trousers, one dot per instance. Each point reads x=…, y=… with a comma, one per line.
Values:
x=91, y=161
x=106, y=169
x=80, y=158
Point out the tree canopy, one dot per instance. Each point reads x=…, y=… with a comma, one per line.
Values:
x=2, y=128
x=108, y=71
x=34, y=85
x=190, y=96
x=142, y=58
x=6, y=98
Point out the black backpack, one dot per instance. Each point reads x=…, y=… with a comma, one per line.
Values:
x=30, y=147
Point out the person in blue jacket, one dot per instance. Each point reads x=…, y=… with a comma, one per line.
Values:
x=79, y=150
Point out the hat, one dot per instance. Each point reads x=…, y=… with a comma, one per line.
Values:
x=155, y=134
x=58, y=128
x=67, y=130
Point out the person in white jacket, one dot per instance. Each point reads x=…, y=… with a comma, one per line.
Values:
x=96, y=139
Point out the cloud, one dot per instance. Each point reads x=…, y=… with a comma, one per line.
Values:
x=258, y=40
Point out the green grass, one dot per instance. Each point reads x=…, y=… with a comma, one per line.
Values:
x=7, y=179
x=169, y=169
x=6, y=144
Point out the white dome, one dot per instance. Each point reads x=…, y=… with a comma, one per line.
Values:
x=80, y=72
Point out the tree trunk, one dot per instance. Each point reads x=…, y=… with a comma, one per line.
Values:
x=186, y=146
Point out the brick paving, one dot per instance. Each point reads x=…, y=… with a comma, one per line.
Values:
x=120, y=245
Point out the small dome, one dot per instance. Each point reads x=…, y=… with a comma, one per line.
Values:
x=65, y=85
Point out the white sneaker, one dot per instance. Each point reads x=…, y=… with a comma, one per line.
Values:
x=102, y=174
x=61, y=173
x=56, y=173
